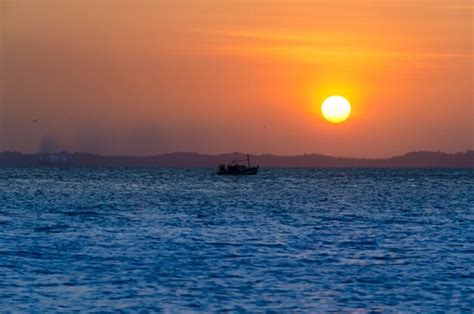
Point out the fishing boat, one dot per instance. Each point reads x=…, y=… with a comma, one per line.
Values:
x=236, y=169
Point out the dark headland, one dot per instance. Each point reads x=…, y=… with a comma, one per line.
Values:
x=193, y=160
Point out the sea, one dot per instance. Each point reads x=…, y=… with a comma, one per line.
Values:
x=283, y=241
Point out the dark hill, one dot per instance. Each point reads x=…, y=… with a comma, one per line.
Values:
x=192, y=160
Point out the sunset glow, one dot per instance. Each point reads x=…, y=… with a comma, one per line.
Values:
x=146, y=77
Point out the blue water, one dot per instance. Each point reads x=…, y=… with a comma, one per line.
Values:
x=285, y=240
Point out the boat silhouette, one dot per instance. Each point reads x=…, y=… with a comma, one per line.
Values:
x=236, y=169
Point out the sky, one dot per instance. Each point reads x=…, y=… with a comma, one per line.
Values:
x=144, y=77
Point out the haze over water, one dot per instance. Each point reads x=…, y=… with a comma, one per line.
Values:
x=81, y=239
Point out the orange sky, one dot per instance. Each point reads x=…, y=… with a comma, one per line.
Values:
x=145, y=77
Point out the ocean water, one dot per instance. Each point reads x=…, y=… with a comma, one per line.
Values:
x=177, y=240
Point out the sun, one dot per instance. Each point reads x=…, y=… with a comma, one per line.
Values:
x=336, y=109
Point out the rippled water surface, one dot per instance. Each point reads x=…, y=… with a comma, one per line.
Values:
x=284, y=240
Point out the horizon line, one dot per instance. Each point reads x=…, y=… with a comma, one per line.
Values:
x=239, y=153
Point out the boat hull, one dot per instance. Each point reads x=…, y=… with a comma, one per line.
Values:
x=244, y=172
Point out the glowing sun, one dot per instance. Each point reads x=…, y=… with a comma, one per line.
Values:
x=336, y=109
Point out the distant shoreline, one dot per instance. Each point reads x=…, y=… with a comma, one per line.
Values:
x=422, y=159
